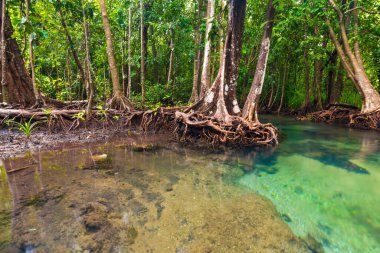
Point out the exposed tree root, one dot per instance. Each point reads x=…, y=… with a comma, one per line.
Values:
x=347, y=116
x=67, y=120
x=121, y=103
x=40, y=103
x=193, y=127
x=185, y=127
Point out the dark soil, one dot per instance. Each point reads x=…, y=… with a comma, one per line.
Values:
x=14, y=142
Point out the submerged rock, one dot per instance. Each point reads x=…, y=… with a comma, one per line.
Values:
x=168, y=187
x=286, y=218
x=160, y=208
x=173, y=179
x=128, y=193
x=140, y=147
x=313, y=245
x=152, y=196
x=131, y=234
x=94, y=222
x=101, y=157
x=136, y=207
x=41, y=198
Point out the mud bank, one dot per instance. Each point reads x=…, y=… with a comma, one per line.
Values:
x=13, y=142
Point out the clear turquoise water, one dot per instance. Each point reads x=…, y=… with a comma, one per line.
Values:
x=325, y=182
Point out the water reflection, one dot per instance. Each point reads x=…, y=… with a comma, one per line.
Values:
x=136, y=196
x=130, y=196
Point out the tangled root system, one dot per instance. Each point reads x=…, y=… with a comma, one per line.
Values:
x=349, y=117
x=120, y=103
x=193, y=127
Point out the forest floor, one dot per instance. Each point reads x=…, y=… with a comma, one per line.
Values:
x=65, y=127
x=14, y=142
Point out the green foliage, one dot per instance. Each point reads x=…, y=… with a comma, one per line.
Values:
x=102, y=112
x=26, y=127
x=300, y=26
x=81, y=116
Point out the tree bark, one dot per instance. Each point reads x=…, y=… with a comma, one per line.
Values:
x=68, y=69
x=353, y=64
x=318, y=71
x=4, y=88
x=123, y=65
x=221, y=32
x=143, y=47
x=110, y=53
x=129, y=52
x=306, y=105
x=171, y=57
x=284, y=81
x=17, y=86
x=251, y=104
x=331, y=78
x=37, y=93
x=71, y=43
x=339, y=84
x=220, y=100
x=90, y=86
x=118, y=101
x=205, y=78
x=198, y=55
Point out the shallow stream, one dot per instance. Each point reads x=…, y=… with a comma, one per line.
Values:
x=318, y=191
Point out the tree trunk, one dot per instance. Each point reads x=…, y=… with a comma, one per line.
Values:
x=37, y=93
x=331, y=78
x=123, y=65
x=353, y=64
x=118, y=101
x=129, y=52
x=339, y=84
x=251, y=104
x=143, y=46
x=4, y=88
x=198, y=56
x=270, y=97
x=205, y=78
x=284, y=81
x=68, y=67
x=220, y=100
x=318, y=72
x=90, y=86
x=221, y=32
x=17, y=86
x=306, y=105
x=156, y=67
x=171, y=57
x=270, y=106
x=71, y=44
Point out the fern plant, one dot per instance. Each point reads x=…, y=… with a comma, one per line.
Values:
x=26, y=127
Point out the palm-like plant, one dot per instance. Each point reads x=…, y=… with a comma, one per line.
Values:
x=27, y=127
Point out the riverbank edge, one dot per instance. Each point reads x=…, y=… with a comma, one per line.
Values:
x=338, y=117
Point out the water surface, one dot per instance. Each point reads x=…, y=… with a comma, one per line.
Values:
x=319, y=190
x=325, y=181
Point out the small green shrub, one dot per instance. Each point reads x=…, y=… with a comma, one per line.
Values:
x=27, y=127
x=80, y=116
